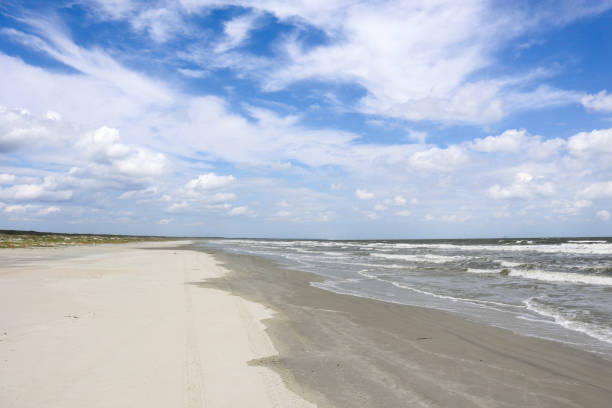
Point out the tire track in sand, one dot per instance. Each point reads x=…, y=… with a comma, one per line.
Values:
x=194, y=377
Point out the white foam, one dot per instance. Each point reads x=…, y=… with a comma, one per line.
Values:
x=365, y=274
x=420, y=258
x=484, y=271
x=565, y=320
x=550, y=276
x=334, y=254
x=508, y=264
x=602, y=248
x=480, y=303
x=588, y=242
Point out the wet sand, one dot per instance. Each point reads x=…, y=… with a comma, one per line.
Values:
x=345, y=351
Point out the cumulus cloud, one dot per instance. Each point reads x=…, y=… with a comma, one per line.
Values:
x=600, y=102
x=104, y=148
x=242, y=210
x=45, y=191
x=209, y=181
x=508, y=142
x=19, y=128
x=165, y=221
x=582, y=203
x=437, y=159
x=601, y=189
x=603, y=215
x=524, y=186
x=594, y=142
x=222, y=197
x=399, y=200
x=48, y=210
x=363, y=194
x=283, y=213
x=7, y=178
x=177, y=207
x=380, y=207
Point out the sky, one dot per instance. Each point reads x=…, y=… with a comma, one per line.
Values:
x=307, y=119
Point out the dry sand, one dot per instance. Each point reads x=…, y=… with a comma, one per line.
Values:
x=116, y=326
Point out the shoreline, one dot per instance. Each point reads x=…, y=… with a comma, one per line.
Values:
x=343, y=350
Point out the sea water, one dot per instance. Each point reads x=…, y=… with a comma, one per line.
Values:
x=558, y=289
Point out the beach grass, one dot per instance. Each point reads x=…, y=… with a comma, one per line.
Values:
x=28, y=239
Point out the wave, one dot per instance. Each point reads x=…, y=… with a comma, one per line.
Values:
x=601, y=248
x=484, y=271
x=550, y=276
x=477, y=302
x=421, y=258
x=508, y=264
x=564, y=319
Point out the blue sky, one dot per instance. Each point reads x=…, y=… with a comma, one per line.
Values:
x=335, y=119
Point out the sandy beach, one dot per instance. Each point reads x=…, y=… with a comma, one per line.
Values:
x=167, y=325
x=117, y=326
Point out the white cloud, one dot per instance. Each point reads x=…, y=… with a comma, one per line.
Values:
x=419, y=136
x=594, y=142
x=178, y=207
x=140, y=194
x=52, y=115
x=603, y=215
x=403, y=213
x=165, y=221
x=424, y=76
x=600, y=102
x=399, y=200
x=7, y=178
x=243, y=210
x=193, y=73
x=283, y=213
x=209, y=181
x=380, y=207
x=525, y=186
x=601, y=189
x=236, y=31
x=582, y=203
x=436, y=159
x=159, y=23
x=508, y=142
x=371, y=215
x=17, y=208
x=221, y=197
x=19, y=128
x=48, y=210
x=429, y=217
x=111, y=158
x=363, y=194
x=27, y=192
x=54, y=41
x=453, y=218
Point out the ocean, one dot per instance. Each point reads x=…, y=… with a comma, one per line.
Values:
x=553, y=288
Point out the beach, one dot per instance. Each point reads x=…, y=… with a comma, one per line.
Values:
x=119, y=326
x=170, y=324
